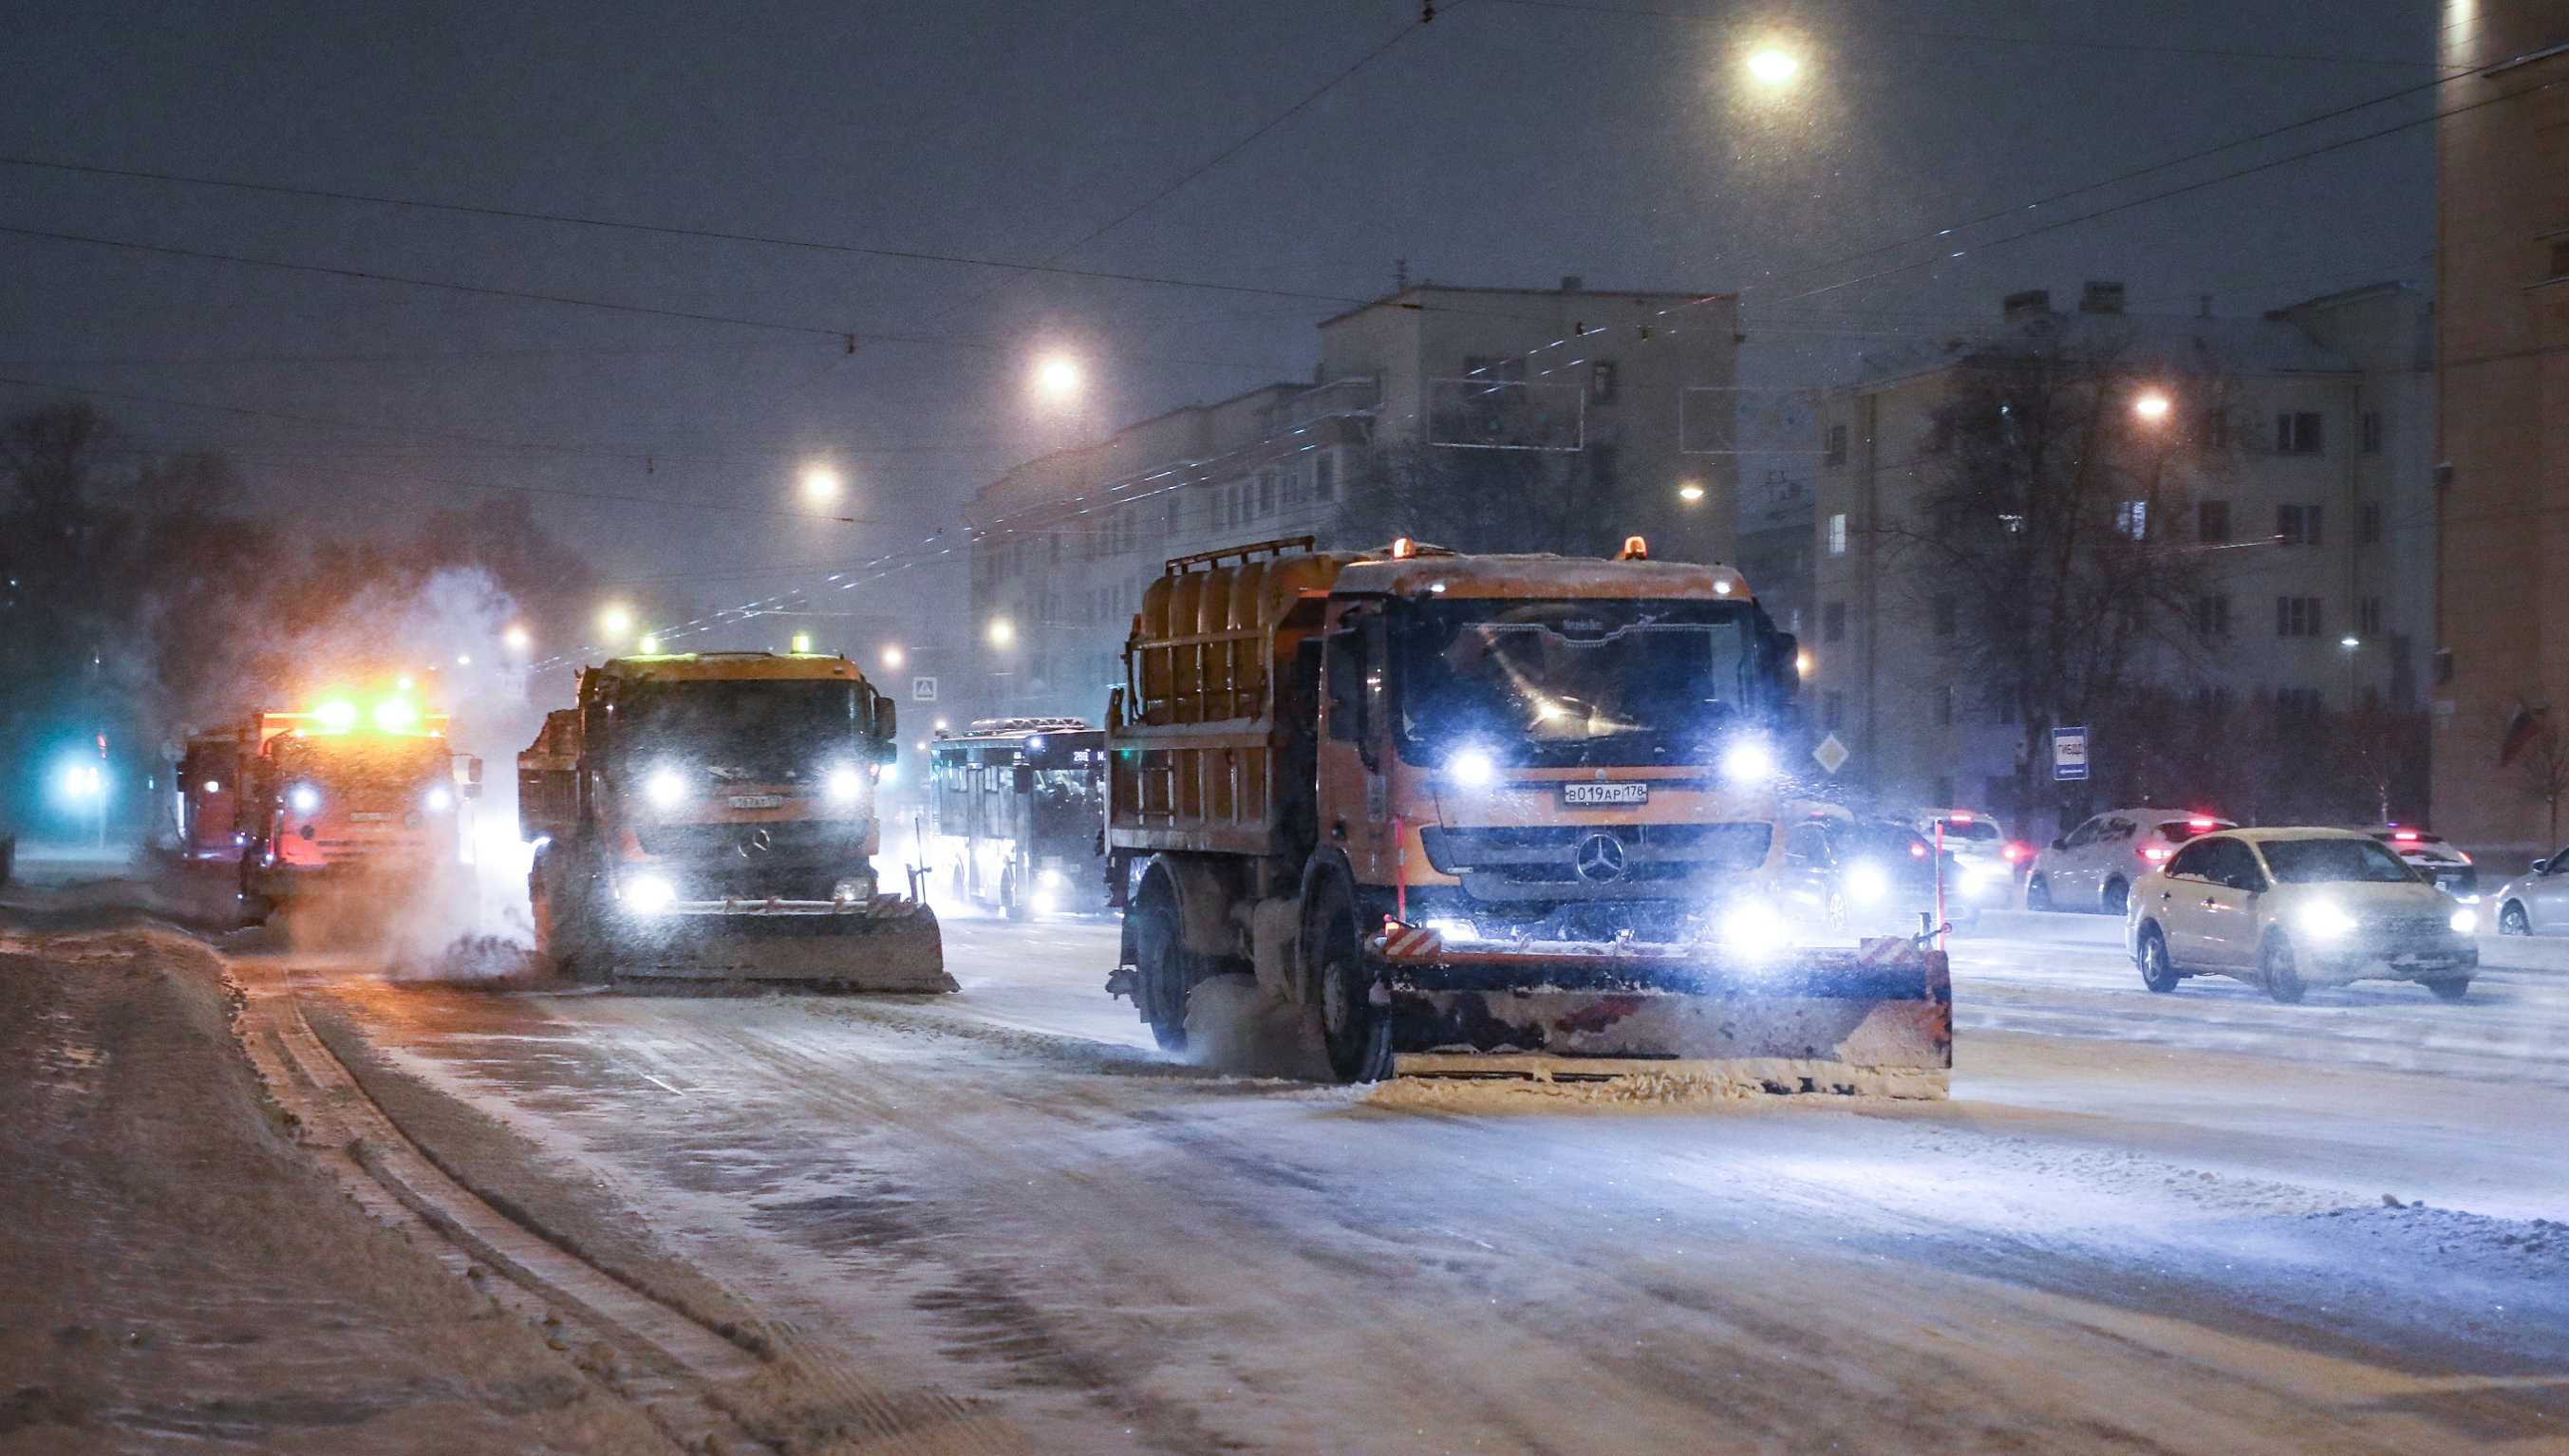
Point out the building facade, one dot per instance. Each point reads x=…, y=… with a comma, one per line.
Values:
x=2301, y=505
x=2502, y=699
x=1483, y=418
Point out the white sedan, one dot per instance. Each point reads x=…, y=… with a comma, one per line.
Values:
x=2289, y=909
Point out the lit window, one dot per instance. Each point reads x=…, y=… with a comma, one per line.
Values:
x=1837, y=534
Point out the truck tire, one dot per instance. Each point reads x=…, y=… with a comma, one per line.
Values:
x=1159, y=988
x=1355, y=1033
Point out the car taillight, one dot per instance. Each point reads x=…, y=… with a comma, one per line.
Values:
x=2155, y=853
x=2015, y=852
x=2198, y=824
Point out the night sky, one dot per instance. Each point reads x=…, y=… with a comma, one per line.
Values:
x=1504, y=143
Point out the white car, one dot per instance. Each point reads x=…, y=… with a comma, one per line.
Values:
x=2535, y=902
x=1985, y=861
x=2093, y=867
x=2286, y=909
x=2429, y=855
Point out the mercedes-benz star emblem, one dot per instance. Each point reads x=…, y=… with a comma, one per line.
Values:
x=1601, y=858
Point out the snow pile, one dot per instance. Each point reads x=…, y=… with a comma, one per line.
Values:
x=179, y=1271
x=2456, y=1242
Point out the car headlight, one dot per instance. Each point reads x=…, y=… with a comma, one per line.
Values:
x=649, y=894
x=1753, y=926
x=2465, y=921
x=1867, y=882
x=665, y=789
x=2326, y=923
x=1471, y=768
x=1976, y=876
x=843, y=785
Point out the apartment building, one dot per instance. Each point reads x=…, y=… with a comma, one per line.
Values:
x=1483, y=418
x=2501, y=701
x=2304, y=503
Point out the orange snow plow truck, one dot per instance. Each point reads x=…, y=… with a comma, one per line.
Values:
x=1489, y=816
x=369, y=801
x=710, y=816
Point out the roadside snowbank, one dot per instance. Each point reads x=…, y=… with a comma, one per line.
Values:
x=178, y=1270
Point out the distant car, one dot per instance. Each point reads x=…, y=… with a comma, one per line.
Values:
x=1985, y=861
x=2535, y=902
x=2093, y=867
x=2286, y=909
x=2429, y=855
x=1858, y=877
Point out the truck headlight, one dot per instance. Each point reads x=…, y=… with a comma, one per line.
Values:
x=1753, y=928
x=2326, y=923
x=1471, y=768
x=649, y=894
x=2465, y=921
x=665, y=789
x=843, y=785
x=305, y=798
x=440, y=800
x=1748, y=761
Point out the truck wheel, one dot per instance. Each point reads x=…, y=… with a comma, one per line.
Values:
x=2157, y=972
x=1355, y=1032
x=1011, y=897
x=1162, y=987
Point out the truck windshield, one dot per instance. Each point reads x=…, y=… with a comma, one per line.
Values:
x=366, y=763
x=774, y=730
x=1568, y=682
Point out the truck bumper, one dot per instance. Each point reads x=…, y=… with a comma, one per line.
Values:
x=1875, y=1021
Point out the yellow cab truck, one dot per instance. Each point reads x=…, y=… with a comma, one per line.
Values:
x=1489, y=817
x=710, y=816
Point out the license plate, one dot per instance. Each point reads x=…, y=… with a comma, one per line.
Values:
x=1587, y=796
x=756, y=801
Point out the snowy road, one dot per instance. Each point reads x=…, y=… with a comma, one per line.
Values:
x=2144, y=1223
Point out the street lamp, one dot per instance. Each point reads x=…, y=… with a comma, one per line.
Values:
x=1690, y=493
x=891, y=657
x=1003, y=631
x=1057, y=376
x=1772, y=67
x=615, y=621
x=819, y=485
x=517, y=640
x=2151, y=407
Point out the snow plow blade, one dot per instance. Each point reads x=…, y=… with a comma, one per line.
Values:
x=889, y=945
x=1875, y=1021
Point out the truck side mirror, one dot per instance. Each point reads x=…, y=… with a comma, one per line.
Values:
x=886, y=721
x=1786, y=669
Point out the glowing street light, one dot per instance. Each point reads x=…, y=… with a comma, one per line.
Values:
x=615, y=621
x=517, y=640
x=1773, y=68
x=2151, y=407
x=1003, y=631
x=819, y=485
x=1057, y=376
x=891, y=657
x=1690, y=493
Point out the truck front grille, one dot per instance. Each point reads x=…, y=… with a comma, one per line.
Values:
x=1542, y=862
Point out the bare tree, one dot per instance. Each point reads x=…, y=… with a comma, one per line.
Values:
x=2383, y=750
x=2537, y=753
x=2051, y=516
